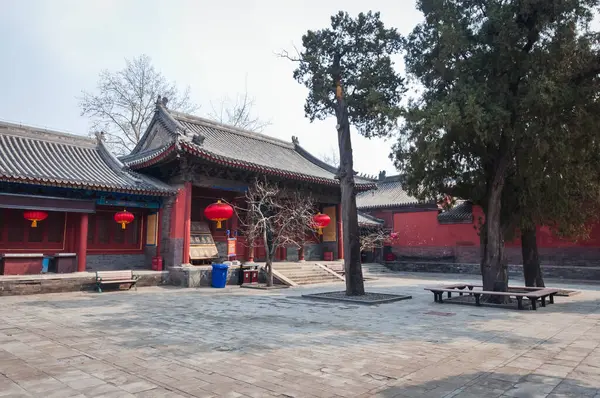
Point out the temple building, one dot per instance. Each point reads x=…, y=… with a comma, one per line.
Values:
x=427, y=233
x=67, y=197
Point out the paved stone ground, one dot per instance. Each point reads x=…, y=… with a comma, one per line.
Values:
x=160, y=342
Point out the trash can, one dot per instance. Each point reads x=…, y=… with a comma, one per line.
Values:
x=46, y=264
x=219, y=275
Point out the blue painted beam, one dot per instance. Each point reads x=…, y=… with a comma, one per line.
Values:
x=127, y=203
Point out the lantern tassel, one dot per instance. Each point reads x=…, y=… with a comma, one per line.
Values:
x=320, y=231
x=218, y=223
x=34, y=224
x=123, y=224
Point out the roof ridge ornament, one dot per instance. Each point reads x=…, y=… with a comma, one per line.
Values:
x=295, y=140
x=198, y=139
x=162, y=101
x=100, y=136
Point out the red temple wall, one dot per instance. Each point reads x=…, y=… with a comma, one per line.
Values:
x=422, y=236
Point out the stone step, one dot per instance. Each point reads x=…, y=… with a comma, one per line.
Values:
x=299, y=277
x=305, y=273
x=296, y=267
x=315, y=281
x=302, y=273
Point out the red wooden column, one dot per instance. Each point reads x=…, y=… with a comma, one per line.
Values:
x=158, y=231
x=340, y=232
x=83, y=238
x=187, y=222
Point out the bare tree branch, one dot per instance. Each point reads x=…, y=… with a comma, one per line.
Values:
x=332, y=158
x=238, y=113
x=376, y=239
x=278, y=217
x=123, y=102
x=285, y=54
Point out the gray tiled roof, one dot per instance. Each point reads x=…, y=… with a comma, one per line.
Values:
x=460, y=213
x=389, y=193
x=232, y=147
x=366, y=220
x=38, y=156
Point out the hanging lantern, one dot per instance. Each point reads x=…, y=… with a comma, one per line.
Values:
x=34, y=216
x=124, y=217
x=321, y=221
x=218, y=212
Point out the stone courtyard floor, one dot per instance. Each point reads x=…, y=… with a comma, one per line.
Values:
x=167, y=342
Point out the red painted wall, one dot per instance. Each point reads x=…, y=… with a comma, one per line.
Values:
x=421, y=229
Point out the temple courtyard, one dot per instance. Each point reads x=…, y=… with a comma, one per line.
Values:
x=234, y=342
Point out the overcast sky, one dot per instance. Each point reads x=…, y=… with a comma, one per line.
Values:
x=52, y=50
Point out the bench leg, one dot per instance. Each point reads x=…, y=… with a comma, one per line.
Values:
x=477, y=303
x=543, y=301
x=533, y=303
x=551, y=299
x=99, y=287
x=441, y=297
x=449, y=294
x=520, y=302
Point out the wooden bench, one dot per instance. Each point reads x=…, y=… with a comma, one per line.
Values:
x=533, y=294
x=115, y=278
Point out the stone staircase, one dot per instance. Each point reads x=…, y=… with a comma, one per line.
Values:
x=369, y=270
x=306, y=273
x=374, y=270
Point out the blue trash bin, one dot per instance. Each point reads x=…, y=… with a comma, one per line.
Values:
x=219, y=275
x=45, y=264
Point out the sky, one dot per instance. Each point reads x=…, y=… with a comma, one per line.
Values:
x=52, y=50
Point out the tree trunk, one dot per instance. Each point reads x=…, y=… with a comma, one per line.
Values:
x=494, y=269
x=352, y=265
x=268, y=239
x=531, y=261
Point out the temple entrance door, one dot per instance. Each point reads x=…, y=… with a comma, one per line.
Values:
x=259, y=253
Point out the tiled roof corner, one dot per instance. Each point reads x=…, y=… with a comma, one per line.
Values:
x=367, y=220
x=389, y=193
x=44, y=157
x=461, y=213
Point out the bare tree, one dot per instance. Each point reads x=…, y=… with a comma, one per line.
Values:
x=238, y=113
x=278, y=216
x=375, y=238
x=123, y=103
x=332, y=158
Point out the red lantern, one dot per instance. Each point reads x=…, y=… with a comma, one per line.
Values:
x=34, y=216
x=124, y=217
x=321, y=221
x=218, y=212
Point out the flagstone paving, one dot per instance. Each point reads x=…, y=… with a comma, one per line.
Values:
x=161, y=342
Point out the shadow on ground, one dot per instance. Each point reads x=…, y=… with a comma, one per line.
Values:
x=483, y=385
